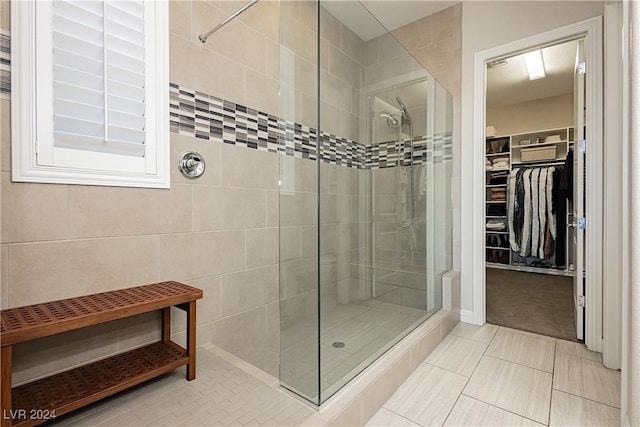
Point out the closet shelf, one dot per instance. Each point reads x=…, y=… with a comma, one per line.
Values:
x=496, y=216
x=497, y=247
x=496, y=201
x=496, y=185
x=498, y=154
x=541, y=144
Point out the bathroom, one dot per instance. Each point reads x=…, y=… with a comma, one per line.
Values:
x=286, y=248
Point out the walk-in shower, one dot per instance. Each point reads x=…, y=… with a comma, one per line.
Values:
x=365, y=194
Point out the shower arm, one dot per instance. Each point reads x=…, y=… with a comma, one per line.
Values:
x=203, y=37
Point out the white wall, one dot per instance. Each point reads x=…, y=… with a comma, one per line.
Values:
x=486, y=25
x=630, y=403
x=546, y=113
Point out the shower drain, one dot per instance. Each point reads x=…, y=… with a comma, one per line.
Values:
x=338, y=344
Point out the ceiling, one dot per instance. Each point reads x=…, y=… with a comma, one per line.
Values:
x=510, y=84
x=391, y=14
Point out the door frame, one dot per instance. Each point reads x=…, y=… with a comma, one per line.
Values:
x=592, y=30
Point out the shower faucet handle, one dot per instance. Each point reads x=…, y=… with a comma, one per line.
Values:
x=191, y=165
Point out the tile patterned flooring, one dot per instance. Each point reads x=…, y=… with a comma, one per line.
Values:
x=478, y=376
x=495, y=376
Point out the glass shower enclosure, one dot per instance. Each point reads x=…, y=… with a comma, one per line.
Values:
x=365, y=198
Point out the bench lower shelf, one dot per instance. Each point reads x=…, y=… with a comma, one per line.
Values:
x=66, y=391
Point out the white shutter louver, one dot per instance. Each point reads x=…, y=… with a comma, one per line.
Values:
x=91, y=99
x=99, y=76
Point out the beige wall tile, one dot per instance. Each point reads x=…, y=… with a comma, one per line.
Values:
x=5, y=132
x=329, y=27
x=119, y=211
x=244, y=167
x=138, y=330
x=177, y=257
x=218, y=253
x=342, y=66
x=289, y=238
x=210, y=151
x=79, y=267
x=351, y=44
x=209, y=307
x=262, y=91
x=237, y=41
x=272, y=53
x=273, y=208
x=416, y=34
x=59, y=352
x=247, y=290
x=226, y=208
x=245, y=335
x=335, y=91
x=299, y=276
x=180, y=18
x=371, y=52
x=5, y=14
x=262, y=247
x=263, y=17
x=300, y=39
x=202, y=69
x=298, y=209
x=33, y=212
x=330, y=119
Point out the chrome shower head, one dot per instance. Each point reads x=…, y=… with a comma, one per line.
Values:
x=403, y=109
x=392, y=122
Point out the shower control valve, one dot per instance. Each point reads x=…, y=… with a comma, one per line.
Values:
x=191, y=165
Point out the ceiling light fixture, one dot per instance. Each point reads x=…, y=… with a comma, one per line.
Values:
x=535, y=66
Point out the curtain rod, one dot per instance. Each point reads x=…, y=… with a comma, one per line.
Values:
x=203, y=37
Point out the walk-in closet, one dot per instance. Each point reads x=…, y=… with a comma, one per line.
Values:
x=531, y=239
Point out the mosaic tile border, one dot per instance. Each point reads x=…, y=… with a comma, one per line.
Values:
x=203, y=116
x=5, y=63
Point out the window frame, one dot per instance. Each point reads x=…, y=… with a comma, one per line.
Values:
x=34, y=158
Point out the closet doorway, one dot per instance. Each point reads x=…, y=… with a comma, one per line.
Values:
x=534, y=190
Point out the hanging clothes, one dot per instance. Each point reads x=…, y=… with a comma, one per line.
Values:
x=542, y=213
x=533, y=206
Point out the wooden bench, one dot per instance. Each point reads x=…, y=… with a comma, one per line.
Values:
x=44, y=399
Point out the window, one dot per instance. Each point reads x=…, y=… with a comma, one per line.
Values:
x=90, y=92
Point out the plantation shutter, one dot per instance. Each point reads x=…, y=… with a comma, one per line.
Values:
x=99, y=76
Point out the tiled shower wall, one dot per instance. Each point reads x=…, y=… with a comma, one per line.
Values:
x=219, y=233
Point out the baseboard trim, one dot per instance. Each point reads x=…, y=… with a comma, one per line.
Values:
x=466, y=316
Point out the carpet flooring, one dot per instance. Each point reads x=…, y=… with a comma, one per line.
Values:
x=532, y=302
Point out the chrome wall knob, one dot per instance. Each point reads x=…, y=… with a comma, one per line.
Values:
x=191, y=165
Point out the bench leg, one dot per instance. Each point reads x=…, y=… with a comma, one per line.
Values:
x=166, y=324
x=5, y=380
x=191, y=340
